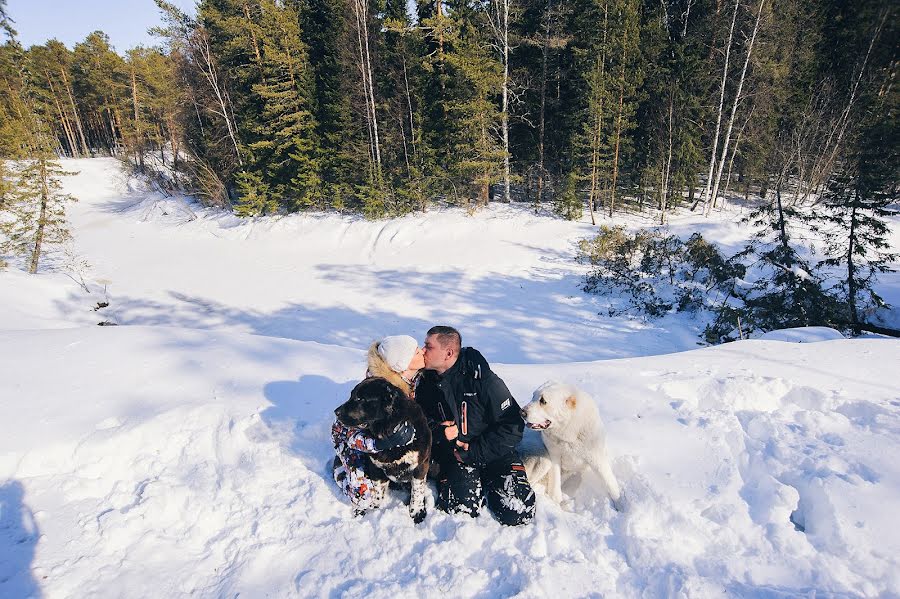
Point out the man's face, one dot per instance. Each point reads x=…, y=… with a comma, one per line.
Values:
x=437, y=357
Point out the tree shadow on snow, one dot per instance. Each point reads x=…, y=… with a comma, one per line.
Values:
x=533, y=317
x=19, y=536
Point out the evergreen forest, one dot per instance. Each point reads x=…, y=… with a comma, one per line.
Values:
x=573, y=107
x=383, y=107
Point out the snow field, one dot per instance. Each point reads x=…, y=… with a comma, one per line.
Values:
x=196, y=463
x=188, y=454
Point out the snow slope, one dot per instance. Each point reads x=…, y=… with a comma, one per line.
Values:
x=187, y=454
x=508, y=277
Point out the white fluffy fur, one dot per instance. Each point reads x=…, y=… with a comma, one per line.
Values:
x=573, y=436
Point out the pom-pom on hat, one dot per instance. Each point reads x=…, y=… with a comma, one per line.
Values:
x=398, y=351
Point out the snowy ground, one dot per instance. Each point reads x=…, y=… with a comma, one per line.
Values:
x=187, y=454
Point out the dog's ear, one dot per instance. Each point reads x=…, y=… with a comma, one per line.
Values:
x=571, y=402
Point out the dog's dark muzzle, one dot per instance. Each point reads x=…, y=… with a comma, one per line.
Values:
x=349, y=417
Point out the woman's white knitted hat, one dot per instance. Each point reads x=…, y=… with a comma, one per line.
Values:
x=397, y=351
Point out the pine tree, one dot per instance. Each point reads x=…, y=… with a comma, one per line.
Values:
x=32, y=201
x=475, y=76
x=861, y=196
x=50, y=65
x=5, y=22
x=101, y=84
x=326, y=35
x=37, y=206
x=286, y=153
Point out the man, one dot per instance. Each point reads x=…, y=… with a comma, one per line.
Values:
x=476, y=425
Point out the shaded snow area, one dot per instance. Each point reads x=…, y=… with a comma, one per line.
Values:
x=188, y=453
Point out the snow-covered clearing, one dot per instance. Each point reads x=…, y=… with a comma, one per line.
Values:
x=187, y=453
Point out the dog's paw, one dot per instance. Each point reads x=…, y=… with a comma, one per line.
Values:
x=418, y=516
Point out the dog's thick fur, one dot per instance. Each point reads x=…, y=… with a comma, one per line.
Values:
x=378, y=407
x=573, y=436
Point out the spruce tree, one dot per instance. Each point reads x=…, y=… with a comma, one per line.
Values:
x=788, y=291
x=477, y=75
x=861, y=196
x=33, y=204
x=326, y=35
x=286, y=153
x=37, y=207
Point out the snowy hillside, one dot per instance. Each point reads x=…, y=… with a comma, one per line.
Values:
x=187, y=453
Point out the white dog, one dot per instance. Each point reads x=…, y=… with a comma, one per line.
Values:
x=573, y=436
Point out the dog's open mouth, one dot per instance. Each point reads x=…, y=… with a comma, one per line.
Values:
x=538, y=425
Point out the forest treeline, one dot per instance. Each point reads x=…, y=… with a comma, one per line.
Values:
x=382, y=107
x=366, y=105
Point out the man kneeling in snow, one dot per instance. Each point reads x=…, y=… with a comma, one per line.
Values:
x=476, y=425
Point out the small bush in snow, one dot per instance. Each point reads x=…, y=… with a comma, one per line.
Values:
x=764, y=287
x=658, y=273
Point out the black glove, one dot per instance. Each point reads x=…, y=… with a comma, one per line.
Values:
x=461, y=454
x=403, y=434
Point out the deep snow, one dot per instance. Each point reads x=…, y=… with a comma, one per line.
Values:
x=187, y=454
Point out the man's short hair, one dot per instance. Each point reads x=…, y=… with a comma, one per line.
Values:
x=447, y=336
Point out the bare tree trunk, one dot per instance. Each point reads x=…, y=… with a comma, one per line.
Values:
x=173, y=140
x=713, y=154
x=113, y=143
x=138, y=142
x=615, y=174
x=664, y=191
x=42, y=219
x=503, y=18
x=737, y=143
x=851, y=267
x=67, y=126
x=84, y=146
x=542, y=121
x=412, y=123
x=734, y=107
x=595, y=160
x=596, y=136
x=212, y=78
x=360, y=8
x=365, y=84
x=402, y=128
x=687, y=15
x=371, y=88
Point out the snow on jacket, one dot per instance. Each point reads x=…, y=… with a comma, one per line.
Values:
x=470, y=394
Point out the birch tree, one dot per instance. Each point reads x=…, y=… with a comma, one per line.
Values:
x=734, y=107
x=715, y=139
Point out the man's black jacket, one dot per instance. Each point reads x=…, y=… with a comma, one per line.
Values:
x=477, y=400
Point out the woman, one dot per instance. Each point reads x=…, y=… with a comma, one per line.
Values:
x=398, y=359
